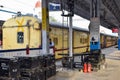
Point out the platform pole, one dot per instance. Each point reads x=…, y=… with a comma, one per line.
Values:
x=45, y=27
x=70, y=37
x=94, y=26
x=119, y=39
x=70, y=43
x=70, y=6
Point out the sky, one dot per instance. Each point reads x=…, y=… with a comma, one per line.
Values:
x=28, y=6
x=25, y=6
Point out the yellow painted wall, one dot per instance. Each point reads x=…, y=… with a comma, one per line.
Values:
x=80, y=40
x=108, y=42
x=10, y=30
x=62, y=35
x=61, y=39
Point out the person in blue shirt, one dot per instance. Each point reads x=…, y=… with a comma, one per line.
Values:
x=51, y=43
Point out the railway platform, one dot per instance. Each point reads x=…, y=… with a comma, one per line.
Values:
x=110, y=71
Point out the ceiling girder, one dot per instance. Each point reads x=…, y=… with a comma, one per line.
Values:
x=110, y=19
x=112, y=6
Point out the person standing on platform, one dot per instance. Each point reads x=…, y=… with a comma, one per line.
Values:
x=51, y=43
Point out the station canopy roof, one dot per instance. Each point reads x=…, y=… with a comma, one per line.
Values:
x=109, y=11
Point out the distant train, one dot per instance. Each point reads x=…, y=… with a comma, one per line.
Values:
x=81, y=39
x=20, y=32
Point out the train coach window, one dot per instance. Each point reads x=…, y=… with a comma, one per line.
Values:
x=80, y=40
x=20, y=37
x=86, y=40
x=55, y=40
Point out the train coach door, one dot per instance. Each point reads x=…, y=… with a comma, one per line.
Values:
x=0, y=38
x=104, y=42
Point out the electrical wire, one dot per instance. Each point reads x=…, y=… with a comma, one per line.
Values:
x=7, y=11
x=13, y=10
x=19, y=3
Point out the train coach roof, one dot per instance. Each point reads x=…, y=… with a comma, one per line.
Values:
x=60, y=25
x=109, y=35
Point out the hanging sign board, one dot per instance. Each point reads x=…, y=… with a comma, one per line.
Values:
x=54, y=7
x=114, y=30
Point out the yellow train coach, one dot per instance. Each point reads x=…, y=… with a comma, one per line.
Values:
x=20, y=32
x=81, y=39
x=59, y=35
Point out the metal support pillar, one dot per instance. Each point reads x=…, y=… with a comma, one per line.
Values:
x=70, y=43
x=94, y=25
x=45, y=27
x=70, y=5
x=70, y=37
x=119, y=39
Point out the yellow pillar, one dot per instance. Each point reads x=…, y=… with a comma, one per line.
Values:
x=45, y=27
